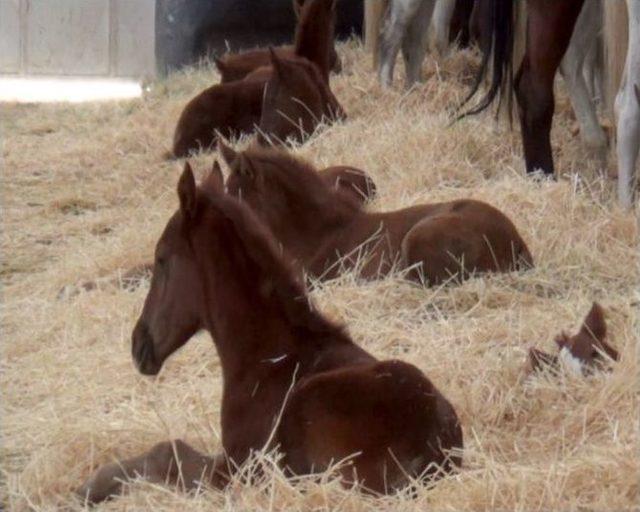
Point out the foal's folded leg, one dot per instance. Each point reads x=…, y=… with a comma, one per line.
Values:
x=170, y=462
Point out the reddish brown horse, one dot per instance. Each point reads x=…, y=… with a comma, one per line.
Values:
x=325, y=231
x=235, y=108
x=236, y=66
x=292, y=378
x=296, y=100
x=550, y=25
x=581, y=353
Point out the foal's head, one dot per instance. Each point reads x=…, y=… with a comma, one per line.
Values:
x=173, y=310
x=296, y=100
x=285, y=192
x=214, y=258
x=582, y=352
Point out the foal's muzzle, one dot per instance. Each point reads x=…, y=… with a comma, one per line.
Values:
x=143, y=351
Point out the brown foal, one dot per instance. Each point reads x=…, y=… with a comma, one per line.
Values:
x=582, y=352
x=292, y=378
x=327, y=232
x=296, y=101
x=235, y=108
x=236, y=66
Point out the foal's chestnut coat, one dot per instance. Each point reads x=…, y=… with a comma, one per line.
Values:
x=326, y=232
x=236, y=66
x=235, y=108
x=292, y=378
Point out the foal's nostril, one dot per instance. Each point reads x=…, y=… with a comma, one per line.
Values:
x=142, y=349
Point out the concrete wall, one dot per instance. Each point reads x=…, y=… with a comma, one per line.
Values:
x=77, y=37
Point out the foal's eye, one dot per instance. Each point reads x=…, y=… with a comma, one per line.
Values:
x=160, y=261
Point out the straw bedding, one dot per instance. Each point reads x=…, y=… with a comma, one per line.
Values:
x=87, y=192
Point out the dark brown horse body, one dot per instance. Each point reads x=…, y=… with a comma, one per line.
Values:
x=235, y=108
x=550, y=25
x=326, y=232
x=291, y=378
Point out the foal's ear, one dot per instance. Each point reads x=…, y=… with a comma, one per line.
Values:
x=594, y=324
x=229, y=154
x=279, y=65
x=187, y=192
x=213, y=182
x=247, y=168
x=219, y=64
x=297, y=8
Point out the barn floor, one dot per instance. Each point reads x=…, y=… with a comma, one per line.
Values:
x=87, y=192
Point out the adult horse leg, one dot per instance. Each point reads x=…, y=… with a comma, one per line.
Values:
x=587, y=27
x=628, y=111
x=170, y=462
x=414, y=42
x=549, y=27
x=397, y=19
x=460, y=20
x=441, y=24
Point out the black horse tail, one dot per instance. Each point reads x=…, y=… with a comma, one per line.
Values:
x=500, y=27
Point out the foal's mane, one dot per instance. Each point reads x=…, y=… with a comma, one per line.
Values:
x=314, y=34
x=298, y=178
x=276, y=273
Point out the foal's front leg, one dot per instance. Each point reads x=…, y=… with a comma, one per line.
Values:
x=170, y=462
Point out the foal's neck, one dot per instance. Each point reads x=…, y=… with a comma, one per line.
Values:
x=309, y=225
x=246, y=314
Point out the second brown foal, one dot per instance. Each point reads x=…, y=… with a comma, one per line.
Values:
x=236, y=66
x=292, y=378
x=327, y=232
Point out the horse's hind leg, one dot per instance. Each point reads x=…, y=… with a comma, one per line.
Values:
x=441, y=22
x=415, y=41
x=549, y=28
x=572, y=69
x=172, y=463
x=628, y=111
x=396, y=21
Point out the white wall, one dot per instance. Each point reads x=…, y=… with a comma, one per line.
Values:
x=77, y=37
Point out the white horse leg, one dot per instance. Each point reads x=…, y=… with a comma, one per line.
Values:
x=441, y=23
x=397, y=19
x=571, y=67
x=414, y=43
x=592, y=70
x=628, y=111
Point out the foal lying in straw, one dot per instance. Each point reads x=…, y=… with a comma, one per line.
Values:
x=236, y=108
x=236, y=66
x=327, y=232
x=581, y=353
x=292, y=378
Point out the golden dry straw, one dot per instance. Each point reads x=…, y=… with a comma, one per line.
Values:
x=87, y=192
